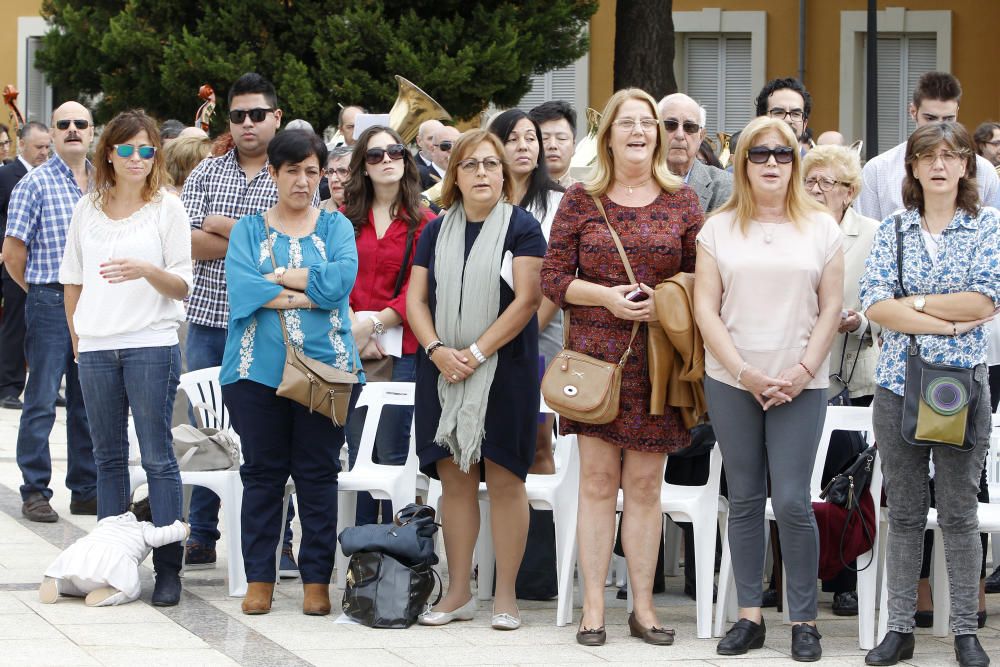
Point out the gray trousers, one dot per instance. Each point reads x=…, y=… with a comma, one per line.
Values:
x=956, y=483
x=782, y=442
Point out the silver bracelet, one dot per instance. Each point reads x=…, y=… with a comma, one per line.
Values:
x=740, y=374
x=480, y=357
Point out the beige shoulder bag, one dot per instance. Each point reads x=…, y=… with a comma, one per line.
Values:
x=318, y=386
x=580, y=387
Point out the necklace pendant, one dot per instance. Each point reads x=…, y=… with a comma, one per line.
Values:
x=768, y=237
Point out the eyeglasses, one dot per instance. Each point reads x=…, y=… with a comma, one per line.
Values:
x=376, y=155
x=761, y=154
x=446, y=146
x=689, y=127
x=784, y=114
x=628, y=124
x=825, y=184
x=471, y=165
x=80, y=123
x=948, y=157
x=126, y=151
x=340, y=172
x=995, y=143
x=256, y=115
x=5, y=143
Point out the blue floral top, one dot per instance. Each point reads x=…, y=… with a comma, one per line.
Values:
x=255, y=349
x=968, y=261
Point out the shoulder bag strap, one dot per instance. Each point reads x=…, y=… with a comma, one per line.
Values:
x=628, y=271
x=274, y=265
x=406, y=261
x=914, y=348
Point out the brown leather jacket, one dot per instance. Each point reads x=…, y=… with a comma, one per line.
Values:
x=677, y=352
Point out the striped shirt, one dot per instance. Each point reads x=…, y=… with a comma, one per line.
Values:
x=219, y=186
x=41, y=207
x=882, y=184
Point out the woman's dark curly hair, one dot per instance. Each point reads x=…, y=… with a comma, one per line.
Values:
x=359, y=193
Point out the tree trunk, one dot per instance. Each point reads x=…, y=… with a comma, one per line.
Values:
x=644, y=46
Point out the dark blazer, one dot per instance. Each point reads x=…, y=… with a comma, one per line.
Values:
x=428, y=176
x=10, y=174
x=712, y=185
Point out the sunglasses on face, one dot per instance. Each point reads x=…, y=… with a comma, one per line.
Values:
x=761, y=154
x=126, y=151
x=690, y=127
x=256, y=115
x=80, y=123
x=376, y=155
x=446, y=146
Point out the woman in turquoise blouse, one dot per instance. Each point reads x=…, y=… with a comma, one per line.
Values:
x=317, y=264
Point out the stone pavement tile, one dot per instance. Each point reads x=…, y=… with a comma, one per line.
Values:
x=621, y=648
x=27, y=626
x=51, y=653
x=301, y=633
x=785, y=661
x=9, y=604
x=132, y=635
x=372, y=657
x=497, y=655
x=118, y=656
x=72, y=611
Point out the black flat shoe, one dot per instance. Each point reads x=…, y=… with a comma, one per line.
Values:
x=805, y=643
x=652, y=635
x=981, y=619
x=895, y=647
x=845, y=604
x=591, y=637
x=924, y=619
x=993, y=581
x=743, y=636
x=969, y=652
x=769, y=598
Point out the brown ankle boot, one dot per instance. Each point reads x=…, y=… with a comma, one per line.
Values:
x=316, y=599
x=258, y=597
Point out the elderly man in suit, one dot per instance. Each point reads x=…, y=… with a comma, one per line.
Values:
x=685, y=123
x=33, y=142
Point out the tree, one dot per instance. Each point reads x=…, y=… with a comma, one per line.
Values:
x=154, y=54
x=644, y=46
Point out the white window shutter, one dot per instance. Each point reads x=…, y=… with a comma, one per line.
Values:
x=891, y=106
x=536, y=95
x=734, y=81
x=921, y=56
x=702, y=76
x=36, y=95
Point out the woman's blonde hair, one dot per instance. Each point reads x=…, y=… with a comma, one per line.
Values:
x=603, y=173
x=182, y=155
x=123, y=127
x=842, y=160
x=798, y=204
x=463, y=148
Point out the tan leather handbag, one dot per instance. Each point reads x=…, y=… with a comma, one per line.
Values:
x=580, y=387
x=314, y=384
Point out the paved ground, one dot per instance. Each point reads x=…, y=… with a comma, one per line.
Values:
x=207, y=628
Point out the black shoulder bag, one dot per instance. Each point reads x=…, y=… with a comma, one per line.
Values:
x=845, y=490
x=940, y=401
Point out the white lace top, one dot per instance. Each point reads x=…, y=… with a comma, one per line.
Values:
x=132, y=313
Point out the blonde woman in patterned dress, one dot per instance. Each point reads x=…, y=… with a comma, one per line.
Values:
x=317, y=264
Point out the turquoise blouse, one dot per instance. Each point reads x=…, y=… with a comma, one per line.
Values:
x=255, y=349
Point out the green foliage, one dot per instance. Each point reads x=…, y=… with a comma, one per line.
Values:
x=155, y=54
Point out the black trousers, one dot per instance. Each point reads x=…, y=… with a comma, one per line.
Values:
x=11, y=338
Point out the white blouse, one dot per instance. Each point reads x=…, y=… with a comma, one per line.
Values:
x=132, y=313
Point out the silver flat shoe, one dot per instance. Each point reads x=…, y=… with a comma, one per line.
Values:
x=464, y=613
x=505, y=622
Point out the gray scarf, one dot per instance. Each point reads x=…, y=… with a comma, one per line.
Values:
x=468, y=301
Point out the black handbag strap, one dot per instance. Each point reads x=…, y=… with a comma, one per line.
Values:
x=404, y=269
x=897, y=220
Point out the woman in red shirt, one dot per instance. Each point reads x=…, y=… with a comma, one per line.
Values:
x=382, y=200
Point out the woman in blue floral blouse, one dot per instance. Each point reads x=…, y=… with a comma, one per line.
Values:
x=951, y=272
x=317, y=265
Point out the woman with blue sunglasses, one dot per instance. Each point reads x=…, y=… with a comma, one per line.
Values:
x=126, y=268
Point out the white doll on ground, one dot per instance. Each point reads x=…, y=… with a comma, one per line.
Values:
x=103, y=567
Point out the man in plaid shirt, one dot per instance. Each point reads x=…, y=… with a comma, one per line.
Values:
x=219, y=192
x=41, y=207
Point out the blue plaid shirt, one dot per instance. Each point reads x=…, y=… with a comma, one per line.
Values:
x=41, y=207
x=968, y=261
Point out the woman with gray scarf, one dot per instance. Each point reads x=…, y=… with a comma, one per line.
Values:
x=474, y=290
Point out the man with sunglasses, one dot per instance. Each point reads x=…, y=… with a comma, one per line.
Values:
x=38, y=218
x=684, y=120
x=444, y=139
x=220, y=191
x=935, y=99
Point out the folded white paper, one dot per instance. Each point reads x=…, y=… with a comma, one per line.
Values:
x=391, y=341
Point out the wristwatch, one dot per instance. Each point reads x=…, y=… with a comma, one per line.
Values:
x=279, y=275
x=919, y=303
x=377, y=327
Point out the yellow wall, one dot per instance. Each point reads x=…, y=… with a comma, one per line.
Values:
x=9, y=11
x=975, y=57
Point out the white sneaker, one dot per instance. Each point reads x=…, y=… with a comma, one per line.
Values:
x=464, y=613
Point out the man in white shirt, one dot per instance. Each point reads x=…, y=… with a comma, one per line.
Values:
x=935, y=100
x=987, y=138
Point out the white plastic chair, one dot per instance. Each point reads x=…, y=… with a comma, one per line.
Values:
x=838, y=418
x=702, y=507
x=384, y=482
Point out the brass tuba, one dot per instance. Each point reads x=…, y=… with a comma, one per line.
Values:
x=586, y=150
x=724, y=149
x=412, y=107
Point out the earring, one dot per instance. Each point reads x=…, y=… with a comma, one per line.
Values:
x=364, y=173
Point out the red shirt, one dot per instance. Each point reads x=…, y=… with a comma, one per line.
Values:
x=379, y=263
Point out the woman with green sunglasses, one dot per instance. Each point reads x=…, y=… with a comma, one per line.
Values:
x=126, y=268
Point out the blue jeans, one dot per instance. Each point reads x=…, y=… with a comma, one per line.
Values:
x=205, y=346
x=392, y=440
x=144, y=379
x=49, y=352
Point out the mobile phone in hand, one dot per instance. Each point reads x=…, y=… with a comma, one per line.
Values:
x=636, y=295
